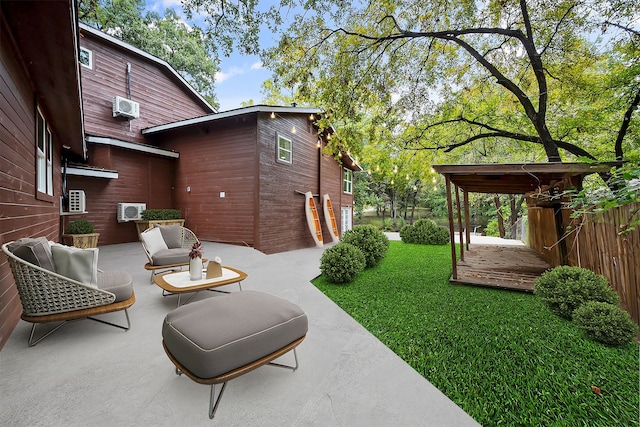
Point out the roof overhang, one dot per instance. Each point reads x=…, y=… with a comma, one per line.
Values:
x=47, y=38
x=229, y=114
x=143, y=148
x=518, y=178
x=90, y=171
x=147, y=56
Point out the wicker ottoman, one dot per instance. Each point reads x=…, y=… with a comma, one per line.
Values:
x=218, y=339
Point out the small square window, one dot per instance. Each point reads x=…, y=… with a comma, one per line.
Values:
x=284, y=150
x=347, y=181
x=86, y=58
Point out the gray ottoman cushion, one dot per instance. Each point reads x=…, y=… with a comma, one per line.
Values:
x=219, y=334
x=116, y=282
x=171, y=256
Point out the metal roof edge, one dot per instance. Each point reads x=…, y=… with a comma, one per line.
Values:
x=231, y=113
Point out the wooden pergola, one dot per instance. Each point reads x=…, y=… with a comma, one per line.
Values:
x=508, y=267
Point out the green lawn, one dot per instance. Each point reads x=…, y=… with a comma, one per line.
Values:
x=501, y=356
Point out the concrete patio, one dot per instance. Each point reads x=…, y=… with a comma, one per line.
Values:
x=88, y=373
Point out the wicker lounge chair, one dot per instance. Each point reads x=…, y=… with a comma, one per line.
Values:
x=47, y=296
x=174, y=254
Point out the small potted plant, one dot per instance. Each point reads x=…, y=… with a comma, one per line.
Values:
x=195, y=261
x=79, y=233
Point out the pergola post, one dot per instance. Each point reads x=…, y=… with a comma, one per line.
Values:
x=459, y=211
x=452, y=236
x=467, y=217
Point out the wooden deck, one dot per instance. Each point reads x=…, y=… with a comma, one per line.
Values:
x=505, y=267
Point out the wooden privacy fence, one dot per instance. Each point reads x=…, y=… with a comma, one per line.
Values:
x=593, y=242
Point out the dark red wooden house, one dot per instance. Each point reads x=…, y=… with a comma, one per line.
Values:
x=40, y=122
x=82, y=110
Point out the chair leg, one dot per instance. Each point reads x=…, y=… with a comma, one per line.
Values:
x=293, y=368
x=213, y=402
x=33, y=330
x=126, y=328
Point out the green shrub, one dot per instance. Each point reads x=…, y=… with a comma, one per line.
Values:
x=492, y=228
x=372, y=242
x=80, y=226
x=341, y=263
x=425, y=232
x=161, y=214
x=565, y=288
x=605, y=322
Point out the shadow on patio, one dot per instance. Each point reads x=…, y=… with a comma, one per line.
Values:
x=92, y=374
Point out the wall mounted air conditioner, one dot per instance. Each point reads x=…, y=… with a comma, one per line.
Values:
x=123, y=107
x=77, y=201
x=130, y=211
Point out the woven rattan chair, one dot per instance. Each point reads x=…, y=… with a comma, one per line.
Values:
x=187, y=239
x=49, y=297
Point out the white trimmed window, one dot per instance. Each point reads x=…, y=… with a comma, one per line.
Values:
x=346, y=216
x=44, y=153
x=347, y=181
x=86, y=58
x=284, y=150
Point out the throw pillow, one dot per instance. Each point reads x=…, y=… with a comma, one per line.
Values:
x=76, y=264
x=35, y=251
x=172, y=235
x=153, y=240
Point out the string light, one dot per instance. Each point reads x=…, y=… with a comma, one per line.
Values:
x=319, y=143
x=312, y=117
x=434, y=180
x=273, y=115
x=395, y=169
x=293, y=130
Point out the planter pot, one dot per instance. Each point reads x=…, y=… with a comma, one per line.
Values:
x=195, y=268
x=143, y=224
x=82, y=241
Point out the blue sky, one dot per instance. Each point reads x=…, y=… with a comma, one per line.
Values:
x=240, y=76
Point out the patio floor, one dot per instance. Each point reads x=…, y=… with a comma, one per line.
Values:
x=88, y=373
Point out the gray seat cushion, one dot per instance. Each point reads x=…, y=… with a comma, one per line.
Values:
x=119, y=283
x=171, y=256
x=35, y=251
x=219, y=334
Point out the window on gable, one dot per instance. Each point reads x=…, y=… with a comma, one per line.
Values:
x=44, y=153
x=284, y=150
x=347, y=181
x=86, y=57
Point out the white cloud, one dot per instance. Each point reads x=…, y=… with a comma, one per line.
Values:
x=221, y=76
x=256, y=65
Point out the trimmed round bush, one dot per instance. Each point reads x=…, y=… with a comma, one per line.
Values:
x=80, y=226
x=370, y=240
x=605, y=322
x=425, y=232
x=565, y=288
x=341, y=263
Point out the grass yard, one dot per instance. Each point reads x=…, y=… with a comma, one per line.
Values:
x=502, y=356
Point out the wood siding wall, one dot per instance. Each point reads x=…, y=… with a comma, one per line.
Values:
x=162, y=99
x=142, y=178
x=594, y=243
x=214, y=159
x=22, y=214
x=262, y=205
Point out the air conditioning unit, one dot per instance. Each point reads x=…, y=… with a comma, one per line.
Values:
x=130, y=211
x=123, y=107
x=77, y=201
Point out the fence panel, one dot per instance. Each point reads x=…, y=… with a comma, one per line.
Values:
x=594, y=242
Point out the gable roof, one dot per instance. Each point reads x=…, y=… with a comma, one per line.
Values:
x=150, y=58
